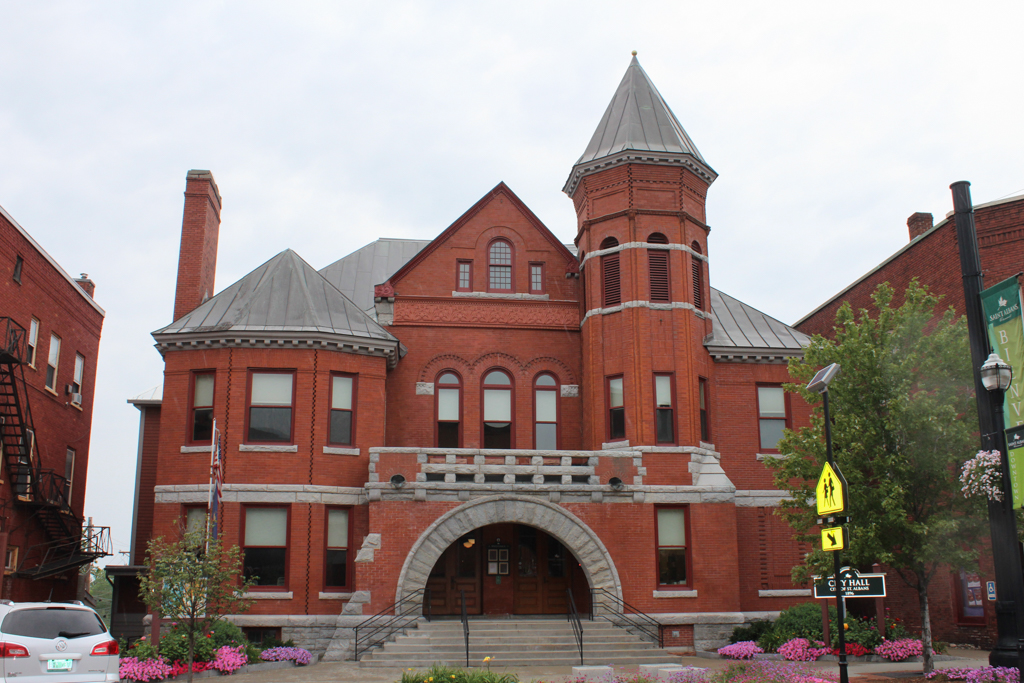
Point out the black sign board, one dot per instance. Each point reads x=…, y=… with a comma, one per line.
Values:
x=853, y=585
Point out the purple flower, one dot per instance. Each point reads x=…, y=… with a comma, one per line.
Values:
x=284, y=654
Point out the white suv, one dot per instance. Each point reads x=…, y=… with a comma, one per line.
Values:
x=56, y=643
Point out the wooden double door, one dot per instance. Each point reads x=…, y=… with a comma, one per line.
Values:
x=540, y=571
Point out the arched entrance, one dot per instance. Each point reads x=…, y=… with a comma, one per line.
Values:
x=560, y=525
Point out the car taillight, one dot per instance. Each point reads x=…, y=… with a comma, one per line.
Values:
x=13, y=650
x=107, y=648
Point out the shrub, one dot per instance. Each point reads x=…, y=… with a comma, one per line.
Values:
x=283, y=654
x=742, y=650
x=802, y=650
x=174, y=647
x=860, y=631
x=225, y=633
x=141, y=650
x=799, y=621
x=854, y=650
x=753, y=632
x=898, y=650
x=439, y=673
x=132, y=668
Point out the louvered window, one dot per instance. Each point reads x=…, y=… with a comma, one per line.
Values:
x=610, y=272
x=698, y=278
x=657, y=263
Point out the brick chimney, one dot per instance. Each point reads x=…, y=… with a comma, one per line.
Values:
x=918, y=224
x=200, y=227
x=85, y=283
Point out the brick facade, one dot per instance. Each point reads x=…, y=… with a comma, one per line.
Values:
x=34, y=287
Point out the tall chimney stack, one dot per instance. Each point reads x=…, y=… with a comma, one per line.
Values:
x=200, y=228
x=918, y=224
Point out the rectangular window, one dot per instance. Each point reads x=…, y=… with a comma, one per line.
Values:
x=448, y=432
x=771, y=407
x=702, y=390
x=76, y=383
x=265, y=546
x=52, y=362
x=33, y=341
x=336, y=572
x=258, y=634
x=546, y=406
x=664, y=414
x=18, y=264
x=11, y=561
x=343, y=392
x=536, y=278
x=672, y=548
x=616, y=410
x=195, y=519
x=270, y=407
x=464, y=282
x=69, y=473
x=202, y=407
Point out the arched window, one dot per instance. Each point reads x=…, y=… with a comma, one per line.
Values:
x=657, y=268
x=499, y=264
x=497, y=414
x=545, y=413
x=611, y=294
x=449, y=410
x=698, y=278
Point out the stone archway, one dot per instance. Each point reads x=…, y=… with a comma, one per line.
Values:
x=569, y=529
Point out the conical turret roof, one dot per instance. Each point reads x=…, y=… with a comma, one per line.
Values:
x=638, y=125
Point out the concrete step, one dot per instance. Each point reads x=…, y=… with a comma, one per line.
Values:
x=525, y=659
x=560, y=640
x=537, y=646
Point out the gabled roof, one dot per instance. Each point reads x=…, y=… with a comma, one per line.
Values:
x=284, y=299
x=499, y=189
x=741, y=332
x=356, y=274
x=638, y=120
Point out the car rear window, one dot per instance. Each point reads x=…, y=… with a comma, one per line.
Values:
x=52, y=622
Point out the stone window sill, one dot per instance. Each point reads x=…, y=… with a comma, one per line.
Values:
x=786, y=593
x=675, y=594
x=333, y=450
x=335, y=596
x=268, y=595
x=269, y=448
x=196, y=449
x=500, y=295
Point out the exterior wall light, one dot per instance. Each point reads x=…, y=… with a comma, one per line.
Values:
x=397, y=480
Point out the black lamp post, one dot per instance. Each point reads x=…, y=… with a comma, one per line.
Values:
x=1002, y=524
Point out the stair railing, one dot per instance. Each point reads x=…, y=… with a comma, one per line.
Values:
x=574, y=620
x=465, y=624
x=383, y=625
x=610, y=607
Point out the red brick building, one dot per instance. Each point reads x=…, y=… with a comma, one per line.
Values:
x=49, y=339
x=961, y=612
x=490, y=412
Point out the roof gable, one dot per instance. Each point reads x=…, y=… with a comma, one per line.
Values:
x=500, y=190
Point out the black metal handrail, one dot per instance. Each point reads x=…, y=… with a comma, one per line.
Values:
x=379, y=628
x=574, y=620
x=465, y=624
x=625, y=615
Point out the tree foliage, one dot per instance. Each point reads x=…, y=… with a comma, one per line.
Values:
x=196, y=581
x=903, y=421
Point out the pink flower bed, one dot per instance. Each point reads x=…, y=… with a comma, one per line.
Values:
x=988, y=674
x=898, y=650
x=146, y=670
x=229, y=659
x=745, y=649
x=801, y=650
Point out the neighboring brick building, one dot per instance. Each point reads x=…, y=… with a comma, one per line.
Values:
x=960, y=612
x=49, y=339
x=492, y=404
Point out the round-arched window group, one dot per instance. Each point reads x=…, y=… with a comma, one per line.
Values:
x=497, y=411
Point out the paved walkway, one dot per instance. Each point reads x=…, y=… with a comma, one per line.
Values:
x=351, y=672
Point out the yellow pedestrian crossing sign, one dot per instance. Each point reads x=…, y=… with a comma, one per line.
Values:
x=833, y=538
x=831, y=491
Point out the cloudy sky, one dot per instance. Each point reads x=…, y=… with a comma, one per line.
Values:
x=329, y=124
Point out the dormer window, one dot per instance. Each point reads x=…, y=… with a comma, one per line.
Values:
x=499, y=263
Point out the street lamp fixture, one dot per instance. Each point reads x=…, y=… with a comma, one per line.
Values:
x=996, y=373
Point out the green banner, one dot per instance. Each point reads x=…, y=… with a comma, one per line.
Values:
x=1002, y=306
x=1015, y=449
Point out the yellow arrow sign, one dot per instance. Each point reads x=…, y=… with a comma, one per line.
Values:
x=833, y=538
x=831, y=491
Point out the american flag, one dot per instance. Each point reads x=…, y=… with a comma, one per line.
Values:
x=216, y=482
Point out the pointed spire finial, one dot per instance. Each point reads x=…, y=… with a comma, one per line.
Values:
x=634, y=53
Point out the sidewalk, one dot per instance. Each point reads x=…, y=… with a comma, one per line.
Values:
x=351, y=672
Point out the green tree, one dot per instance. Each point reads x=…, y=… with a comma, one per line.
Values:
x=903, y=421
x=195, y=581
x=101, y=591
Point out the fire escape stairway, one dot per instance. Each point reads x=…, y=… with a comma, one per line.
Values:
x=42, y=491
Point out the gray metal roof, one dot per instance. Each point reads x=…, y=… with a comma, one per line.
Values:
x=356, y=274
x=638, y=118
x=739, y=329
x=285, y=294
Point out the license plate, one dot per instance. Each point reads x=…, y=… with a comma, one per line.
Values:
x=58, y=664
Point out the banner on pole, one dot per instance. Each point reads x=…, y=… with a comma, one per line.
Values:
x=1002, y=306
x=1015, y=451
x=216, y=482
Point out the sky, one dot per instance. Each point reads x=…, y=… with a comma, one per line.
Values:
x=330, y=124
